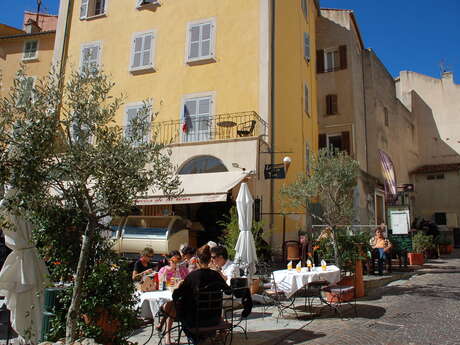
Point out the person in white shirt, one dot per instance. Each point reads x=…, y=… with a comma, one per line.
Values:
x=221, y=263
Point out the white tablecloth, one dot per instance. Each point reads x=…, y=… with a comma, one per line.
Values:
x=151, y=302
x=291, y=281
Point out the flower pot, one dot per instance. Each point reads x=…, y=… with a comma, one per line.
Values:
x=445, y=248
x=106, y=322
x=416, y=259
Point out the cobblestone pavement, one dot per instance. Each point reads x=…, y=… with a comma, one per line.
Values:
x=422, y=310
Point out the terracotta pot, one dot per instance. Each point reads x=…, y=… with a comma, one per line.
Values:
x=446, y=248
x=106, y=322
x=416, y=259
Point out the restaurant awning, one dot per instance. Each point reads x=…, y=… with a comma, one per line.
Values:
x=198, y=188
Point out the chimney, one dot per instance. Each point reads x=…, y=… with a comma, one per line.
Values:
x=448, y=76
x=31, y=26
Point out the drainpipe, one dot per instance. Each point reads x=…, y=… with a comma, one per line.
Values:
x=65, y=46
x=272, y=106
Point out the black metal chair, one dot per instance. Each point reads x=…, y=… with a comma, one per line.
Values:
x=246, y=129
x=5, y=321
x=340, y=295
x=209, y=322
x=274, y=294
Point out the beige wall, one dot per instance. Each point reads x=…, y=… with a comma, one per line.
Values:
x=439, y=135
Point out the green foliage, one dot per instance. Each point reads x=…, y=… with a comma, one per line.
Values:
x=422, y=242
x=332, y=181
x=71, y=165
x=232, y=231
x=351, y=247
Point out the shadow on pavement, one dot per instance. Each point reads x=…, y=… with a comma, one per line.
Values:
x=428, y=290
x=282, y=336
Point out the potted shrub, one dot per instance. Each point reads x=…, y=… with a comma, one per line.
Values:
x=420, y=244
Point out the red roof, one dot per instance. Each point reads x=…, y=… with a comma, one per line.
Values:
x=427, y=169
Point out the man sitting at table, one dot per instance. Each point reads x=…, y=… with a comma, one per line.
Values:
x=221, y=263
x=144, y=265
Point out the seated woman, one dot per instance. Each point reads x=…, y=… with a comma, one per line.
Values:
x=173, y=269
x=382, y=246
x=196, y=280
x=167, y=273
x=144, y=265
x=203, y=279
x=190, y=261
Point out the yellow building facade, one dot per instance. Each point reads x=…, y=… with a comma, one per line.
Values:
x=32, y=48
x=231, y=80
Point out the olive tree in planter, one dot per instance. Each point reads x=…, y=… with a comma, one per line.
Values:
x=331, y=183
x=61, y=149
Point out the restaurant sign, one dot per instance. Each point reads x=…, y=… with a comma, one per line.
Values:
x=272, y=171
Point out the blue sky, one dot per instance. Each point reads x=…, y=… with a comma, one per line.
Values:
x=414, y=35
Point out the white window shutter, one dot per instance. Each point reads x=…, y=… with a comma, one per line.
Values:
x=84, y=9
x=139, y=3
x=194, y=42
x=206, y=39
x=137, y=52
x=131, y=114
x=95, y=54
x=147, y=51
x=306, y=46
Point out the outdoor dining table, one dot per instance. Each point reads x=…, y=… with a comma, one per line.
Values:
x=291, y=281
x=151, y=302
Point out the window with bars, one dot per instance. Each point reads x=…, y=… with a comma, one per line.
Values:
x=91, y=8
x=142, y=51
x=201, y=40
x=30, y=50
x=90, y=57
x=331, y=105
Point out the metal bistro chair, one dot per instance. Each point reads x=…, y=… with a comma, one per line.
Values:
x=215, y=327
x=339, y=296
x=241, y=294
x=278, y=297
x=246, y=129
x=292, y=251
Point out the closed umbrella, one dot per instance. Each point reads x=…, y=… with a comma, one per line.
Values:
x=246, y=255
x=23, y=278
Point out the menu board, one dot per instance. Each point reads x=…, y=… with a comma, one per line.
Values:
x=400, y=221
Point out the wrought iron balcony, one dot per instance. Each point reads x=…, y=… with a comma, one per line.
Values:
x=209, y=128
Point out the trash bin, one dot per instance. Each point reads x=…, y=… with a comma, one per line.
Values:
x=51, y=302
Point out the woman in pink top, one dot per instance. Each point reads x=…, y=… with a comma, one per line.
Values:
x=173, y=269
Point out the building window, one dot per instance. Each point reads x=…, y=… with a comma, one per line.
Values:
x=30, y=50
x=336, y=141
x=137, y=112
x=90, y=57
x=140, y=3
x=203, y=165
x=196, y=119
x=80, y=133
x=201, y=40
x=91, y=8
x=386, y=118
x=306, y=46
x=26, y=91
x=306, y=99
x=307, y=159
x=440, y=218
x=142, y=51
x=331, y=59
x=304, y=4
x=331, y=105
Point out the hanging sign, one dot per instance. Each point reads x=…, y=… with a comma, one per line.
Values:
x=272, y=171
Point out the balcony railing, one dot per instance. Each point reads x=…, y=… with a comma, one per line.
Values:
x=201, y=128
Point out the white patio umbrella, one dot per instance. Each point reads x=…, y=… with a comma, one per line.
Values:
x=246, y=255
x=23, y=278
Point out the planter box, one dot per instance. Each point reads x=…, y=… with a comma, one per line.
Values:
x=446, y=248
x=416, y=259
